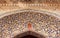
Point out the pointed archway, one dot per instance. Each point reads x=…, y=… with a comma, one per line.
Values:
x=29, y=34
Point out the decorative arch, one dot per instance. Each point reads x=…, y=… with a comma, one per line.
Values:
x=29, y=33
x=28, y=10
x=14, y=23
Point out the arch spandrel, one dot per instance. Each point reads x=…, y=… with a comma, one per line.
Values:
x=41, y=23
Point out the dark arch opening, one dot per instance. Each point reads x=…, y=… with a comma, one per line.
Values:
x=29, y=34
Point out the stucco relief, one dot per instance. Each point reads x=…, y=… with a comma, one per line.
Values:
x=12, y=25
x=21, y=17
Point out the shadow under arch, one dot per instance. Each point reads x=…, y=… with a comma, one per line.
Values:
x=29, y=34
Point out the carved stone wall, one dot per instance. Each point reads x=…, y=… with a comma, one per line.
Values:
x=44, y=20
